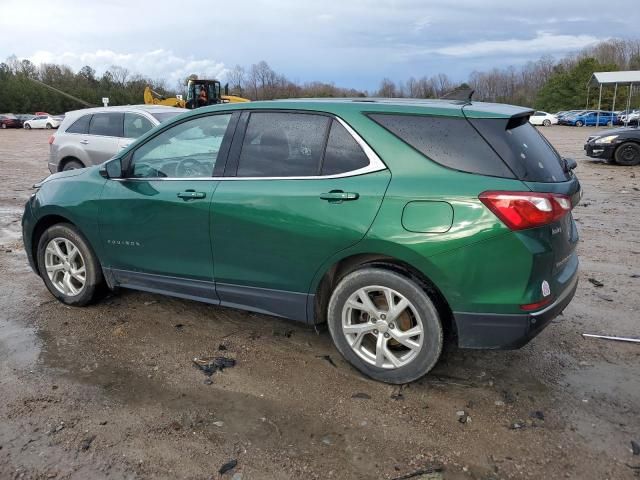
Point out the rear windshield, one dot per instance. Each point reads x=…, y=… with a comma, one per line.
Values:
x=449, y=141
x=527, y=153
x=164, y=116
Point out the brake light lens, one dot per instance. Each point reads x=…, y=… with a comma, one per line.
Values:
x=52, y=139
x=522, y=210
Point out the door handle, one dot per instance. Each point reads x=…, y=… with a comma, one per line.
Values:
x=84, y=142
x=339, y=196
x=191, y=194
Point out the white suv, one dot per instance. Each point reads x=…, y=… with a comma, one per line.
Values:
x=94, y=135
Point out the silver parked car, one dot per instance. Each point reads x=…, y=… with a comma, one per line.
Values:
x=94, y=135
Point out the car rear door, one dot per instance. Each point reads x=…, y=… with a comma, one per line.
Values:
x=154, y=223
x=287, y=204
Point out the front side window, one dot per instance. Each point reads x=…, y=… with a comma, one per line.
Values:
x=343, y=154
x=187, y=150
x=281, y=144
x=106, y=124
x=81, y=125
x=136, y=125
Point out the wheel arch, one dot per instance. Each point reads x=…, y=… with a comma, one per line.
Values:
x=69, y=158
x=346, y=265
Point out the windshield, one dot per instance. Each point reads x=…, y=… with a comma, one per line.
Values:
x=164, y=116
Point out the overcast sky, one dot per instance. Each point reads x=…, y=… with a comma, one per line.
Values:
x=352, y=43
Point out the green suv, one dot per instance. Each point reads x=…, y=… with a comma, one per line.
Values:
x=399, y=223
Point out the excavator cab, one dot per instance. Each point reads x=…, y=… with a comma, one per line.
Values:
x=201, y=93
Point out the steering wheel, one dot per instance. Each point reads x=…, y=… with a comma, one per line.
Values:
x=191, y=168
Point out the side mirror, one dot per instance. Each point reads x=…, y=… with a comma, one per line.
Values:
x=112, y=169
x=570, y=164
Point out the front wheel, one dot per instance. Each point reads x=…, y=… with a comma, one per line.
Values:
x=628, y=154
x=68, y=266
x=579, y=123
x=546, y=123
x=4, y=125
x=385, y=325
x=48, y=126
x=27, y=126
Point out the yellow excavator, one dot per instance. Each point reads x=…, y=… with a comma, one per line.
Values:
x=200, y=93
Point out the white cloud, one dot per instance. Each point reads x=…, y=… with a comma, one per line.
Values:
x=157, y=64
x=544, y=42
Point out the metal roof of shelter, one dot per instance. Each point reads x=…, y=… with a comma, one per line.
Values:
x=627, y=77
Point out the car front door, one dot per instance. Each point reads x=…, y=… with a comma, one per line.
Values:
x=135, y=125
x=154, y=223
x=303, y=187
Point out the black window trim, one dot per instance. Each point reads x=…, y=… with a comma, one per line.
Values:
x=106, y=136
x=66, y=130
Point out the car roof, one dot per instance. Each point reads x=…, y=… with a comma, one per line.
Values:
x=382, y=105
x=127, y=108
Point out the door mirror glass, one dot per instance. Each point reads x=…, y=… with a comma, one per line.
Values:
x=112, y=169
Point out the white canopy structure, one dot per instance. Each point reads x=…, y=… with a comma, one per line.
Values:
x=628, y=78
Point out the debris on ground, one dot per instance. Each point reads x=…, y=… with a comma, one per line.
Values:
x=86, y=442
x=103, y=422
x=612, y=337
x=463, y=416
x=210, y=365
x=423, y=471
x=517, y=425
x=230, y=465
x=596, y=283
x=537, y=414
x=397, y=396
x=282, y=333
x=222, y=347
x=179, y=326
x=362, y=395
x=508, y=397
x=635, y=447
x=328, y=359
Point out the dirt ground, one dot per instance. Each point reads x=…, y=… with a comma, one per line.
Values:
x=110, y=391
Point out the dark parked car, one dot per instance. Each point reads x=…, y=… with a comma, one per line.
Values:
x=619, y=145
x=10, y=121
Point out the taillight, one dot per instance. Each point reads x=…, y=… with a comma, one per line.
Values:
x=521, y=210
x=51, y=139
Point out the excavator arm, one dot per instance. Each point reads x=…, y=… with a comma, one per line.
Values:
x=154, y=98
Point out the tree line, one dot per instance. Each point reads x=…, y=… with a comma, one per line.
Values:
x=545, y=84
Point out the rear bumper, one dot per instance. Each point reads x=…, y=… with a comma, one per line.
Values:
x=509, y=331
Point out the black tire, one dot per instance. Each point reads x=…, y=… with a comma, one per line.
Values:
x=628, y=154
x=27, y=126
x=431, y=348
x=93, y=278
x=48, y=126
x=546, y=123
x=72, y=165
x=579, y=123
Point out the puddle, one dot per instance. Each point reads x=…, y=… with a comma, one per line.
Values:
x=19, y=345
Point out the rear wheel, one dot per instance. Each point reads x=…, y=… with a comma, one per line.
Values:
x=628, y=154
x=546, y=123
x=385, y=325
x=48, y=126
x=68, y=266
x=72, y=165
x=4, y=125
x=27, y=126
x=579, y=123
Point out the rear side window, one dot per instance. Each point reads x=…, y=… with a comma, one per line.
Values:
x=523, y=148
x=278, y=144
x=343, y=154
x=135, y=125
x=81, y=125
x=449, y=141
x=106, y=124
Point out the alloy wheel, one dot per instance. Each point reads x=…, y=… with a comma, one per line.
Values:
x=382, y=327
x=65, y=266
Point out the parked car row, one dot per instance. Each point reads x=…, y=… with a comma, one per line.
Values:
x=543, y=119
x=618, y=145
x=39, y=120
